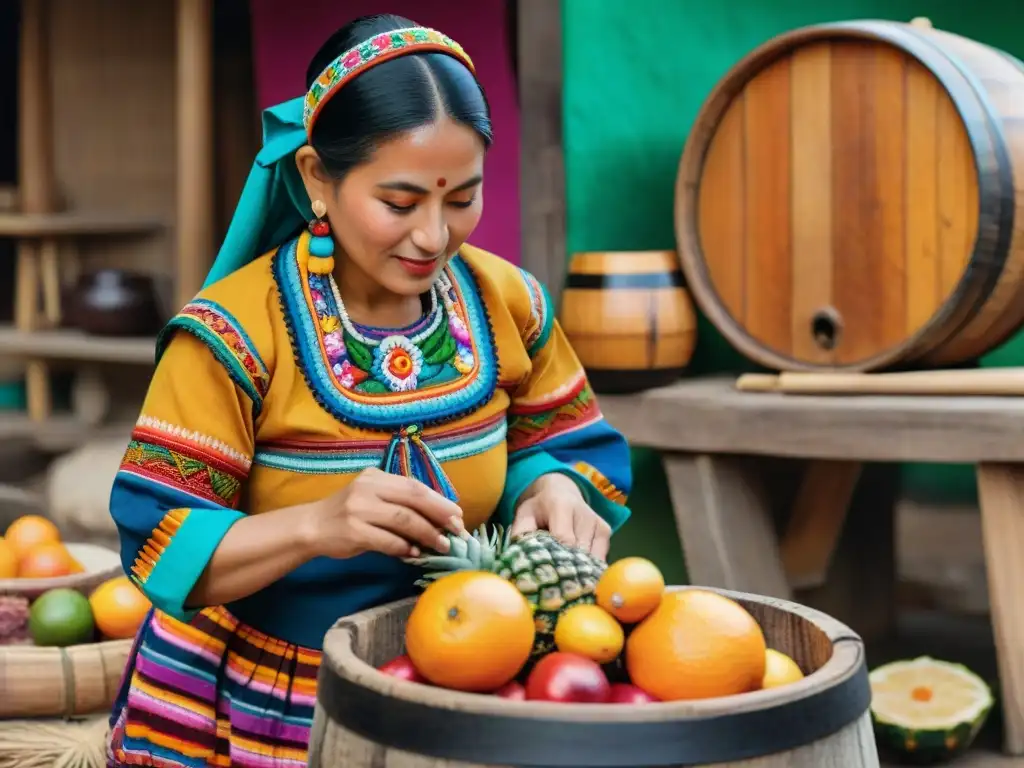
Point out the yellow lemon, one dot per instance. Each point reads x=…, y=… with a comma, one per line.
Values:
x=779, y=669
x=589, y=630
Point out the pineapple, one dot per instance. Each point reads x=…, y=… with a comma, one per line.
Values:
x=552, y=576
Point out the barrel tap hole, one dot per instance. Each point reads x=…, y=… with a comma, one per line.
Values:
x=826, y=327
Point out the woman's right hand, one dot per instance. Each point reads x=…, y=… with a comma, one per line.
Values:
x=382, y=512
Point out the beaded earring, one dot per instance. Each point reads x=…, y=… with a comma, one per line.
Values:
x=321, y=244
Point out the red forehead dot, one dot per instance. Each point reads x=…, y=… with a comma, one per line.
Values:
x=442, y=182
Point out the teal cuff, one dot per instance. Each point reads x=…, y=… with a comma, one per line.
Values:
x=522, y=471
x=185, y=558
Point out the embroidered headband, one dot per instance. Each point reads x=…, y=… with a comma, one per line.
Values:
x=369, y=53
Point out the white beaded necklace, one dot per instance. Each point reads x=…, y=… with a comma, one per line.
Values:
x=436, y=313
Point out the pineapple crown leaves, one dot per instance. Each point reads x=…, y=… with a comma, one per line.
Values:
x=477, y=551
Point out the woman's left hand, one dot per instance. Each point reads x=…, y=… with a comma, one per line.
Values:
x=553, y=502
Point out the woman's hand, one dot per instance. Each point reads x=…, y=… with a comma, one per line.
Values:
x=381, y=512
x=553, y=502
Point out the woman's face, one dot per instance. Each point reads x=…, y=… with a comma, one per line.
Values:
x=400, y=216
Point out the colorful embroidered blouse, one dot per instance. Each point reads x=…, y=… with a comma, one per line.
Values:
x=266, y=396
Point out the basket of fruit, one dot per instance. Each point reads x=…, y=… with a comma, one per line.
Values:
x=68, y=616
x=525, y=652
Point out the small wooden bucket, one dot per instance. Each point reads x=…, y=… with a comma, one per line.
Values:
x=364, y=717
x=629, y=318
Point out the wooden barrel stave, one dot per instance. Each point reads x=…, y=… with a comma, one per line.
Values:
x=629, y=318
x=354, y=701
x=1003, y=313
x=831, y=242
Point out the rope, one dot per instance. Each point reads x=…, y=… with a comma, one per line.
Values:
x=37, y=744
x=68, y=670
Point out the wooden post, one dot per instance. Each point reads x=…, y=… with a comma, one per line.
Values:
x=542, y=164
x=196, y=212
x=37, y=193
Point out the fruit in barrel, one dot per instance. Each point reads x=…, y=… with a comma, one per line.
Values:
x=402, y=668
x=589, y=630
x=779, y=670
x=567, y=677
x=626, y=693
x=30, y=531
x=513, y=690
x=552, y=576
x=927, y=710
x=471, y=631
x=696, y=645
x=630, y=589
x=119, y=608
x=60, y=617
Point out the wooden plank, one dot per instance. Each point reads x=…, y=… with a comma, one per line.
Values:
x=1001, y=491
x=196, y=207
x=723, y=515
x=708, y=415
x=819, y=512
x=541, y=163
x=76, y=345
x=76, y=224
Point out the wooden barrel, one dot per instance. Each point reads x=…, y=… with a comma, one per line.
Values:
x=364, y=717
x=846, y=199
x=629, y=318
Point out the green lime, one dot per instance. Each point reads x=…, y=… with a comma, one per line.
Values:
x=60, y=617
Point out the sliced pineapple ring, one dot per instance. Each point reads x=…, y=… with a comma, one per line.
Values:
x=926, y=694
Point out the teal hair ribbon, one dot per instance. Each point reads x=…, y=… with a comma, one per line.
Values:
x=274, y=203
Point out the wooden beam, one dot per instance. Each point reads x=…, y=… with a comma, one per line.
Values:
x=195, y=147
x=542, y=165
x=709, y=415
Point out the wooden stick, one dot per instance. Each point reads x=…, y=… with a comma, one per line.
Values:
x=36, y=183
x=983, y=382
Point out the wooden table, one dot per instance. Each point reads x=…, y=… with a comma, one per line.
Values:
x=761, y=484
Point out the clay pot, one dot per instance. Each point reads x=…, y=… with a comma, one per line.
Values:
x=114, y=302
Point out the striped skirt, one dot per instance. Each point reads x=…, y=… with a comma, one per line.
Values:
x=213, y=692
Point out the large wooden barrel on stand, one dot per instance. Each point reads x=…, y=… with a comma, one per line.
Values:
x=848, y=199
x=364, y=717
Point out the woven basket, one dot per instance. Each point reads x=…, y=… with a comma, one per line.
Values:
x=100, y=564
x=61, y=682
x=54, y=743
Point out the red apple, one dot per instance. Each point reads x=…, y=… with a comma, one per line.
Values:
x=402, y=668
x=627, y=693
x=512, y=690
x=567, y=677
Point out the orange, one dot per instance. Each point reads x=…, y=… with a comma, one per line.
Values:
x=470, y=631
x=779, y=669
x=589, y=630
x=30, y=531
x=630, y=589
x=119, y=608
x=696, y=645
x=8, y=560
x=46, y=561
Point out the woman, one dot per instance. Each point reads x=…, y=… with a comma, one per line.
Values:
x=353, y=381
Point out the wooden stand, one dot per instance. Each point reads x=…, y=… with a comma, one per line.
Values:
x=767, y=499
x=48, y=235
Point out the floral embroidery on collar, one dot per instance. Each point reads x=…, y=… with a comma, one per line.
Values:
x=432, y=371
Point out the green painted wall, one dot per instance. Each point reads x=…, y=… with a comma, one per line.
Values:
x=636, y=73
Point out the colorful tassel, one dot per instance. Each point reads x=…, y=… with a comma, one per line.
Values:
x=409, y=456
